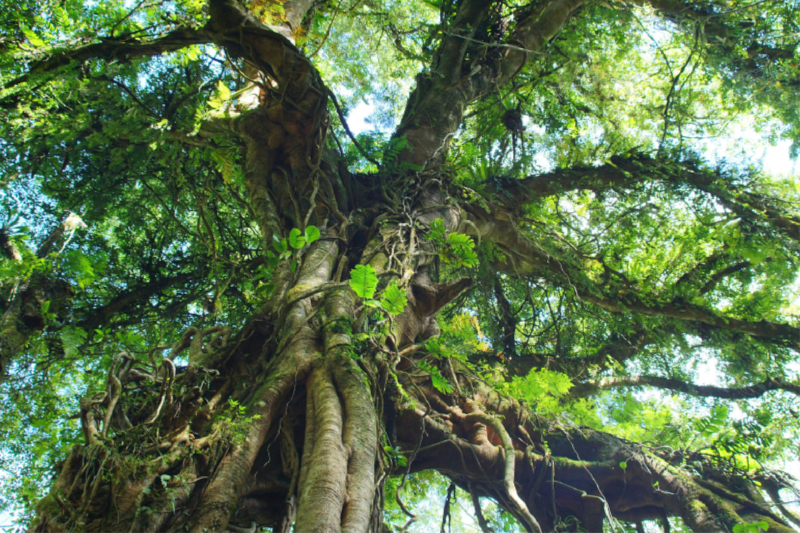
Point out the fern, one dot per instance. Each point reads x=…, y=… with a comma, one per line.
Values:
x=71, y=339
x=454, y=248
x=363, y=281
x=459, y=250
x=394, y=299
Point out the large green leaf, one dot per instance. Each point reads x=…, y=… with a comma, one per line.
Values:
x=394, y=299
x=363, y=281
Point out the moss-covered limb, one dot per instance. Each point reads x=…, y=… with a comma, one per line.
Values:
x=632, y=172
x=120, y=49
x=259, y=162
x=588, y=475
x=773, y=483
x=285, y=131
x=225, y=488
x=221, y=479
x=7, y=246
x=297, y=351
x=128, y=301
x=100, y=489
x=746, y=501
x=435, y=108
x=726, y=38
x=23, y=319
x=676, y=491
x=533, y=33
x=782, y=334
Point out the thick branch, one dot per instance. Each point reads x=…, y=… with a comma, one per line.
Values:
x=508, y=322
x=628, y=172
x=129, y=298
x=581, y=474
x=725, y=37
x=118, y=50
x=435, y=108
x=780, y=333
x=753, y=391
x=525, y=257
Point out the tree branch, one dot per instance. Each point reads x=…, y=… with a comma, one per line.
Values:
x=436, y=107
x=628, y=172
x=118, y=50
x=589, y=388
x=128, y=298
x=525, y=257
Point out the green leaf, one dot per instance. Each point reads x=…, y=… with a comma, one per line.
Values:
x=312, y=234
x=223, y=92
x=394, y=299
x=441, y=384
x=71, y=338
x=623, y=465
x=279, y=244
x=437, y=229
x=459, y=248
x=437, y=379
x=753, y=255
x=32, y=37
x=296, y=239
x=363, y=281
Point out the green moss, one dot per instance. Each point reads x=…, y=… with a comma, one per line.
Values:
x=48, y=506
x=341, y=325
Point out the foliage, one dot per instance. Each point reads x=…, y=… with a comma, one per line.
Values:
x=393, y=299
x=455, y=249
x=363, y=281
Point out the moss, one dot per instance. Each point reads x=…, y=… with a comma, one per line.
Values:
x=696, y=506
x=341, y=325
x=48, y=506
x=565, y=463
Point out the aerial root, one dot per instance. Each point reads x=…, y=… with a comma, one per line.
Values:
x=291, y=469
x=510, y=459
x=476, y=504
x=124, y=376
x=322, y=493
x=236, y=529
x=336, y=476
x=360, y=437
x=166, y=390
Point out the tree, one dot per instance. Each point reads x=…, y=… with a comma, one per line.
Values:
x=271, y=322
